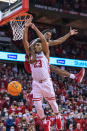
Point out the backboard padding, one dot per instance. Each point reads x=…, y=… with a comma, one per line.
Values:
x=13, y=10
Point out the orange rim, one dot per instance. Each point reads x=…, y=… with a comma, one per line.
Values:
x=24, y=14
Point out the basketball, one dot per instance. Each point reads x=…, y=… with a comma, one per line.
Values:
x=14, y=88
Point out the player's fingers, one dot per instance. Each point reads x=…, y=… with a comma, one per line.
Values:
x=26, y=20
x=75, y=30
x=31, y=16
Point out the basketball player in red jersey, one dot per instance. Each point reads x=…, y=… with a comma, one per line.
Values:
x=42, y=84
x=47, y=34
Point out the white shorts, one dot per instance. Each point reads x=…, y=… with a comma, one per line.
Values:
x=44, y=89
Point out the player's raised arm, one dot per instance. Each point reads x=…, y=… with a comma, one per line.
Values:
x=25, y=35
x=64, y=38
x=29, y=50
x=43, y=40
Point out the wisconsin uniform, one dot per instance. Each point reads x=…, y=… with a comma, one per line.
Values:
x=42, y=85
x=40, y=69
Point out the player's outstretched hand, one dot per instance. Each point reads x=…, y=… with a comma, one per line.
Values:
x=28, y=21
x=73, y=31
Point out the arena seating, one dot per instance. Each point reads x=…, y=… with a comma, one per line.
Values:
x=19, y=112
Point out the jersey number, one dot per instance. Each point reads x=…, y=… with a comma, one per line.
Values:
x=38, y=64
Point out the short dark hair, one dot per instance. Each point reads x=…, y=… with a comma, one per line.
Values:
x=47, y=30
x=33, y=42
x=38, y=41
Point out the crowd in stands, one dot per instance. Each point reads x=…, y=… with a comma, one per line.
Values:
x=70, y=5
x=71, y=50
x=19, y=113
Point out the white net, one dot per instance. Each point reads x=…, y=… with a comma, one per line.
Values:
x=18, y=25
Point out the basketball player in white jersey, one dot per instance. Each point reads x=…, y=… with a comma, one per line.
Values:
x=40, y=74
x=42, y=84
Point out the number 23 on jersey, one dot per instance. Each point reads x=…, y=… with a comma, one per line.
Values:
x=38, y=64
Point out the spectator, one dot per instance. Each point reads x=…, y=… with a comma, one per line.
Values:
x=1, y=125
x=12, y=128
x=18, y=119
x=73, y=107
x=78, y=128
x=9, y=123
x=70, y=127
x=4, y=128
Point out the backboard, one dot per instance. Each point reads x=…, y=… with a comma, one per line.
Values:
x=10, y=9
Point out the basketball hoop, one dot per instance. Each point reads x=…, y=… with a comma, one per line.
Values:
x=18, y=25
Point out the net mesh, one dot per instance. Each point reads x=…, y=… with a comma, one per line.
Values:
x=18, y=25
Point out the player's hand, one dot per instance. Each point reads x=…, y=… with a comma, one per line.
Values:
x=73, y=31
x=28, y=21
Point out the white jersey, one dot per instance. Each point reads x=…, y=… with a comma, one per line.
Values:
x=40, y=69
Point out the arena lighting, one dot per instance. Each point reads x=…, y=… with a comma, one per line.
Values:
x=10, y=56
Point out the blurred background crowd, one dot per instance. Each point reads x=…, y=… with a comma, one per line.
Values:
x=19, y=114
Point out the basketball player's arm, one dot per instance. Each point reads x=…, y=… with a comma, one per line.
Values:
x=33, y=58
x=60, y=40
x=44, y=42
x=64, y=38
x=59, y=71
x=29, y=50
x=25, y=41
x=25, y=35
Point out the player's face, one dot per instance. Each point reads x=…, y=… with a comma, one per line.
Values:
x=38, y=47
x=48, y=36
